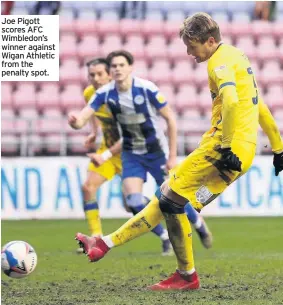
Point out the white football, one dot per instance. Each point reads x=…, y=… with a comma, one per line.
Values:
x=18, y=259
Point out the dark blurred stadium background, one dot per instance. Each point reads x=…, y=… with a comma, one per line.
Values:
x=34, y=113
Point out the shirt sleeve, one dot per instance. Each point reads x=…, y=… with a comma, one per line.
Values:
x=97, y=100
x=270, y=128
x=85, y=96
x=224, y=78
x=88, y=93
x=156, y=98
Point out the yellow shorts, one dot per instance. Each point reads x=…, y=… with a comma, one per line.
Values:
x=199, y=179
x=108, y=169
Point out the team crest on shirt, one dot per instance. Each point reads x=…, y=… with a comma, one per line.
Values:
x=203, y=194
x=221, y=71
x=161, y=98
x=139, y=99
x=220, y=68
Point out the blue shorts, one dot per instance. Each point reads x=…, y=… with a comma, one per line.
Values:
x=139, y=165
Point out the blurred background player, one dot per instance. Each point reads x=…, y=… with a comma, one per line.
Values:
x=103, y=165
x=134, y=102
x=224, y=155
x=265, y=10
x=45, y=8
x=106, y=161
x=6, y=7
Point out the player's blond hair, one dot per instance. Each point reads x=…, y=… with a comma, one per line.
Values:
x=199, y=27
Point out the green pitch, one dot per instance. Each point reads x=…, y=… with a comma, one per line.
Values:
x=245, y=266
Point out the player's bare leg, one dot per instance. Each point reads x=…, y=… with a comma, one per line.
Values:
x=91, y=209
x=90, y=188
x=204, y=234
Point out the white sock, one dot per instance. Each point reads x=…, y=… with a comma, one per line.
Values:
x=164, y=235
x=96, y=235
x=198, y=223
x=187, y=271
x=108, y=241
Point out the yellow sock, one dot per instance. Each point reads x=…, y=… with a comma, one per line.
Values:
x=180, y=233
x=139, y=224
x=93, y=218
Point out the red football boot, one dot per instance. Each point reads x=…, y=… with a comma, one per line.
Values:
x=81, y=250
x=85, y=242
x=98, y=251
x=178, y=281
x=94, y=247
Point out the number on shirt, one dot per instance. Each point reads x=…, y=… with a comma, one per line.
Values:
x=254, y=99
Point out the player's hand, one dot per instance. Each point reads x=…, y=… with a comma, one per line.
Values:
x=96, y=159
x=229, y=160
x=90, y=140
x=278, y=163
x=171, y=162
x=72, y=119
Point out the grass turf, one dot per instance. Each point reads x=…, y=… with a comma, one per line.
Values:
x=245, y=266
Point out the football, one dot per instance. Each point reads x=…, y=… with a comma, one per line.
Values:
x=18, y=259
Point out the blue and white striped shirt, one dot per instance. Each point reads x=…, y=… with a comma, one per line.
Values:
x=136, y=112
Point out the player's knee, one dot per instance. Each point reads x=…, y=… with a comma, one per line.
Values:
x=126, y=206
x=134, y=200
x=168, y=206
x=89, y=188
x=164, y=187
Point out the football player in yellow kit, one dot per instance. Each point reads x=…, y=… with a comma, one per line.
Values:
x=106, y=162
x=103, y=166
x=225, y=153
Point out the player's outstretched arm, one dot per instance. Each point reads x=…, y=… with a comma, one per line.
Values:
x=223, y=76
x=270, y=128
x=99, y=159
x=94, y=124
x=167, y=113
x=116, y=148
x=230, y=102
x=77, y=120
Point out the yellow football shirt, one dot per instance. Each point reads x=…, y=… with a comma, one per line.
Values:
x=237, y=115
x=229, y=66
x=108, y=124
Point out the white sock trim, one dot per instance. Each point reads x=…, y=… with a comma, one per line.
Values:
x=164, y=235
x=198, y=223
x=107, y=239
x=186, y=272
x=97, y=235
